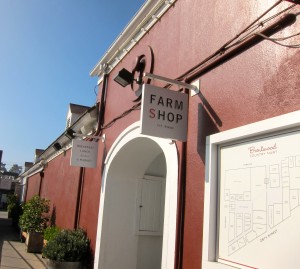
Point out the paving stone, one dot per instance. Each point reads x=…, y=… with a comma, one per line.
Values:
x=13, y=254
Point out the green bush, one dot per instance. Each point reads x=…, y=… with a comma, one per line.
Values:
x=12, y=201
x=50, y=232
x=34, y=217
x=68, y=246
x=14, y=208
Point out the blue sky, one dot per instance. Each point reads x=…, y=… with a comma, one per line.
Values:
x=47, y=50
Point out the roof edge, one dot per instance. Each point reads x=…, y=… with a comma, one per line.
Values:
x=50, y=153
x=139, y=25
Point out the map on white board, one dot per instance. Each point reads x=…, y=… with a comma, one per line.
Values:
x=259, y=213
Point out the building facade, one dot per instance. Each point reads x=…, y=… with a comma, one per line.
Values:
x=154, y=202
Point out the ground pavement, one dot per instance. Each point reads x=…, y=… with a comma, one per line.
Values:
x=13, y=253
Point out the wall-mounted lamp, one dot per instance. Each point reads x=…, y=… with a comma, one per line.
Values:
x=124, y=77
x=70, y=134
x=57, y=146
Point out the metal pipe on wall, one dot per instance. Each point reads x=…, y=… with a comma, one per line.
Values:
x=97, y=133
x=283, y=22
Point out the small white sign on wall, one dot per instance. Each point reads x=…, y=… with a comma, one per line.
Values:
x=84, y=153
x=164, y=113
x=5, y=182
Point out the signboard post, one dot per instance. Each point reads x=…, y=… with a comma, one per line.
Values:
x=164, y=113
x=84, y=153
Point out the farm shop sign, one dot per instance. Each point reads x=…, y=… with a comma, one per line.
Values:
x=84, y=153
x=164, y=113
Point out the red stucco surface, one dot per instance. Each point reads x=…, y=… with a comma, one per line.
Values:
x=60, y=186
x=260, y=83
x=88, y=214
x=33, y=186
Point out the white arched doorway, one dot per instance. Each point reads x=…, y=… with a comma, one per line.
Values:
x=138, y=203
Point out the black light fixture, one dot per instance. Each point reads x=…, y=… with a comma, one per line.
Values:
x=124, y=77
x=57, y=146
x=70, y=133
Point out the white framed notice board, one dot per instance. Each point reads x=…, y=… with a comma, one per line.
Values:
x=252, y=196
x=259, y=202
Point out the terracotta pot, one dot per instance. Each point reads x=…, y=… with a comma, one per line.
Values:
x=63, y=265
x=24, y=234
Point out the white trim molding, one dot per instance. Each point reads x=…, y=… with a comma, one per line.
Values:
x=141, y=23
x=169, y=149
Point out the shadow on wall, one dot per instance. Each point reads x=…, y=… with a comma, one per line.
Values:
x=208, y=124
x=53, y=216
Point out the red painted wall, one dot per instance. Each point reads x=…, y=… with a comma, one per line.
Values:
x=91, y=197
x=260, y=83
x=33, y=186
x=60, y=186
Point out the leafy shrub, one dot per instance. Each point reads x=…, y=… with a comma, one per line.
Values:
x=34, y=217
x=50, y=232
x=14, y=208
x=12, y=201
x=68, y=246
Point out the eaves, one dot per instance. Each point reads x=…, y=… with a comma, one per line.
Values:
x=88, y=120
x=141, y=23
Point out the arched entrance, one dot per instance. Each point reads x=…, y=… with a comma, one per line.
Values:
x=138, y=203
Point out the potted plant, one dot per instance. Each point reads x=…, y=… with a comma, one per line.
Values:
x=50, y=232
x=67, y=249
x=33, y=221
x=14, y=209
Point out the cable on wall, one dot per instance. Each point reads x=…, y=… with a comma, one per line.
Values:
x=125, y=113
x=260, y=24
x=239, y=39
x=275, y=40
